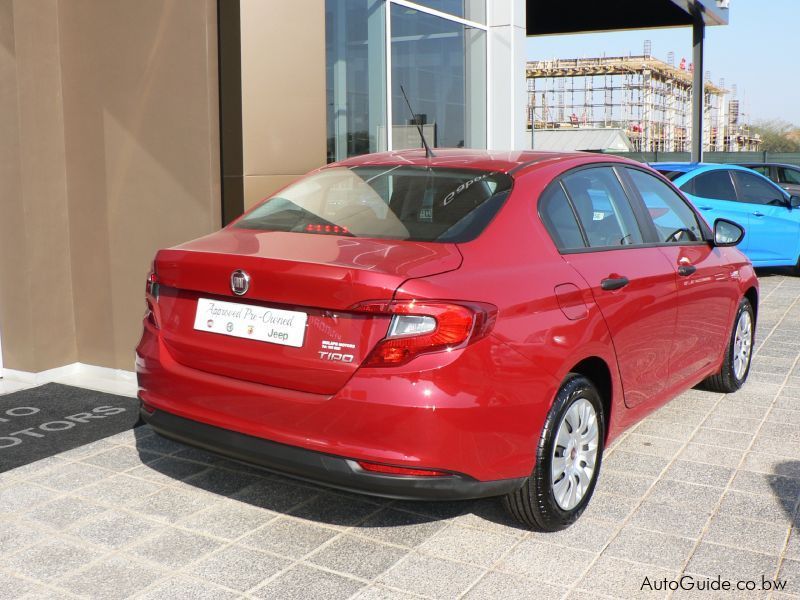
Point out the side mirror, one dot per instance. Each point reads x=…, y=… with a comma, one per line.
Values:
x=727, y=233
x=794, y=202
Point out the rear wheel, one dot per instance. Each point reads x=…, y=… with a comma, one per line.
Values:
x=568, y=459
x=738, y=354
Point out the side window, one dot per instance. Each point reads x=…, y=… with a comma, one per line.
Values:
x=714, y=184
x=754, y=190
x=788, y=176
x=688, y=187
x=763, y=169
x=602, y=207
x=675, y=222
x=559, y=219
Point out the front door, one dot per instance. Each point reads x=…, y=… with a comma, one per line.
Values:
x=705, y=297
x=774, y=228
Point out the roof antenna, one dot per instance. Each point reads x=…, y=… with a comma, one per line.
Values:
x=428, y=153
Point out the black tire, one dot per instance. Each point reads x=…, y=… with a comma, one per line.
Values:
x=726, y=381
x=535, y=504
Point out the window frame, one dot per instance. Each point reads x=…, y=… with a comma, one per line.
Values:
x=643, y=219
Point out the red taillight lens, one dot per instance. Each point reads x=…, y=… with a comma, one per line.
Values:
x=151, y=297
x=426, y=326
x=389, y=470
x=152, y=285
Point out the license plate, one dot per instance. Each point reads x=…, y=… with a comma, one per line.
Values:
x=284, y=327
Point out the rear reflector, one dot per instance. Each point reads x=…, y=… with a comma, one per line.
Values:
x=389, y=470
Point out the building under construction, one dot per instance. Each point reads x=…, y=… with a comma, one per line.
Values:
x=649, y=99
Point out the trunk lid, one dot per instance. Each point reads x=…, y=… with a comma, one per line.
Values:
x=318, y=276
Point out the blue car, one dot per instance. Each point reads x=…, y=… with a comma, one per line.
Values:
x=770, y=216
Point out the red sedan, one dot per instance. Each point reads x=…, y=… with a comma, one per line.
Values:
x=462, y=326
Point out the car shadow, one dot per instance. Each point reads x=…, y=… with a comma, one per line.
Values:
x=261, y=488
x=785, y=484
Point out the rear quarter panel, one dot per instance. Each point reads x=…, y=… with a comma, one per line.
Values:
x=515, y=266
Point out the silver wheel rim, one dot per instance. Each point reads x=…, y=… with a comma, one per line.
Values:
x=742, y=344
x=574, y=454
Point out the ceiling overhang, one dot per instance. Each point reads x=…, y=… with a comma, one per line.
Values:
x=545, y=17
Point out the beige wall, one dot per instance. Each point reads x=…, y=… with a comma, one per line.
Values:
x=36, y=308
x=109, y=151
x=283, y=92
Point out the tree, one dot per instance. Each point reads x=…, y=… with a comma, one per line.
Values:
x=778, y=136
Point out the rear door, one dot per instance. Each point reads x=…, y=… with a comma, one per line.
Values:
x=633, y=284
x=714, y=194
x=705, y=297
x=774, y=228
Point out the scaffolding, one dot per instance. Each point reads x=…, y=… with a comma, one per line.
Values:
x=649, y=99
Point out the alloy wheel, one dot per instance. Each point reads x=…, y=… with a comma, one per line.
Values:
x=574, y=454
x=742, y=344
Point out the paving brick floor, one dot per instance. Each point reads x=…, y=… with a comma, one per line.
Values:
x=707, y=486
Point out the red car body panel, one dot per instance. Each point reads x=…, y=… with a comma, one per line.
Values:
x=477, y=410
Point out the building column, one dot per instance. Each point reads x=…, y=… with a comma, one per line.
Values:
x=506, y=84
x=698, y=88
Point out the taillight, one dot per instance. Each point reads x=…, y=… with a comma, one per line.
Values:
x=407, y=471
x=152, y=285
x=313, y=228
x=151, y=297
x=421, y=327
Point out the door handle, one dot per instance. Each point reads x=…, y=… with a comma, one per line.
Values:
x=705, y=208
x=758, y=214
x=614, y=283
x=686, y=270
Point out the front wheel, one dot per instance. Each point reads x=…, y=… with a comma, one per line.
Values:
x=738, y=354
x=568, y=459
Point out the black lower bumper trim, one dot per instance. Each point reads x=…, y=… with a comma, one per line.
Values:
x=317, y=467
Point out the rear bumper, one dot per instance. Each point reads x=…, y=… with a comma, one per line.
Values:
x=334, y=471
x=477, y=412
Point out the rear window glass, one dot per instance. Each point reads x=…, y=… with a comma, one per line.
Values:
x=390, y=202
x=671, y=175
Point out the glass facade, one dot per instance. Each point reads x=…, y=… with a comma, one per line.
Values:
x=438, y=59
x=355, y=72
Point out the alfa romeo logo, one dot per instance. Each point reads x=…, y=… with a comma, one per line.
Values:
x=240, y=282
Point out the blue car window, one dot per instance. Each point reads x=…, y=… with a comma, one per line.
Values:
x=755, y=190
x=790, y=176
x=675, y=222
x=713, y=184
x=602, y=207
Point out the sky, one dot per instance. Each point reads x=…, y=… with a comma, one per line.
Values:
x=757, y=51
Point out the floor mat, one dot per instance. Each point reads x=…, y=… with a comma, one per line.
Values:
x=52, y=418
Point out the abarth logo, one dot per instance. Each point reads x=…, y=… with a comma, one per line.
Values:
x=240, y=282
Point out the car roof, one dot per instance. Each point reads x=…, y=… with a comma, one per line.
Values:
x=687, y=167
x=768, y=164
x=471, y=159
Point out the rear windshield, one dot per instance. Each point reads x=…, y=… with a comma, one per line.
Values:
x=429, y=204
x=672, y=175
